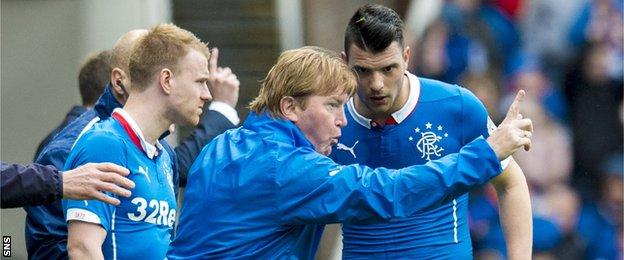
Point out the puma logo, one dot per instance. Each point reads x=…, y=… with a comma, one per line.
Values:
x=143, y=170
x=348, y=149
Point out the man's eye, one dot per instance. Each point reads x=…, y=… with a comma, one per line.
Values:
x=360, y=70
x=388, y=69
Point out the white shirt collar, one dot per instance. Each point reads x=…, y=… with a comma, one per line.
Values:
x=150, y=150
x=399, y=115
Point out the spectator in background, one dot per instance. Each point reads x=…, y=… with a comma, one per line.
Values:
x=545, y=34
x=476, y=36
x=594, y=99
x=483, y=86
x=602, y=21
x=92, y=79
x=430, y=57
x=600, y=222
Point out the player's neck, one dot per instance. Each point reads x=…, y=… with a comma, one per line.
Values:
x=148, y=116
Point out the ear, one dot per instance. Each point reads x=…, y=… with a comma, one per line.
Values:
x=165, y=78
x=289, y=108
x=343, y=56
x=407, y=54
x=117, y=81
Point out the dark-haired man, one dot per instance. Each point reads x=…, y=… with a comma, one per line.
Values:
x=92, y=79
x=397, y=120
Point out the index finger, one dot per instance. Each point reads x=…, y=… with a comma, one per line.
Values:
x=111, y=167
x=212, y=63
x=514, y=109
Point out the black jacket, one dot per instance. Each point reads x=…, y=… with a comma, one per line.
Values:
x=30, y=185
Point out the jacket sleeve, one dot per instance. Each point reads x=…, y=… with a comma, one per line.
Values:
x=311, y=188
x=212, y=123
x=30, y=185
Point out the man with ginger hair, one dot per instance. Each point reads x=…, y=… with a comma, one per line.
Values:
x=266, y=189
x=46, y=228
x=169, y=68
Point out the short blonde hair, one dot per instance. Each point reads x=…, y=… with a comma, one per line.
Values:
x=163, y=47
x=301, y=73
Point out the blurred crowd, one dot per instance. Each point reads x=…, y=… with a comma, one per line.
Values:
x=568, y=56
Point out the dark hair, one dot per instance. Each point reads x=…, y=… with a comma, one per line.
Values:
x=373, y=28
x=93, y=77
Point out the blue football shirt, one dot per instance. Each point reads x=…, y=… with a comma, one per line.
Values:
x=141, y=226
x=437, y=120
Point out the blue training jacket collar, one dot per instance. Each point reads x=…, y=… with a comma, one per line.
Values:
x=107, y=103
x=283, y=130
x=76, y=111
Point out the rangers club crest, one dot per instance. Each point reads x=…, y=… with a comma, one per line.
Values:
x=427, y=140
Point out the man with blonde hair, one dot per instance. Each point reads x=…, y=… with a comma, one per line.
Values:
x=169, y=76
x=265, y=190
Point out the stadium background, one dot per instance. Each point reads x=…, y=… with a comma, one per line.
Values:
x=491, y=46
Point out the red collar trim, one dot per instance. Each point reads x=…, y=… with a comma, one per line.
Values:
x=126, y=126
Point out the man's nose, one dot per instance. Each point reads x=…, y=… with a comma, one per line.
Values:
x=205, y=94
x=377, y=82
x=341, y=119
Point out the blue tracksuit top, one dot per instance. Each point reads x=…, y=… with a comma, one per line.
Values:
x=262, y=191
x=437, y=120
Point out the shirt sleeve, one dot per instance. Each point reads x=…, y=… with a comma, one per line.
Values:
x=29, y=185
x=94, y=148
x=226, y=110
x=475, y=120
x=311, y=188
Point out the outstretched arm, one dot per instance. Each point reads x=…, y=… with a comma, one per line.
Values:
x=332, y=193
x=515, y=211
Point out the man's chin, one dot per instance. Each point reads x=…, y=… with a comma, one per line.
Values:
x=190, y=122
